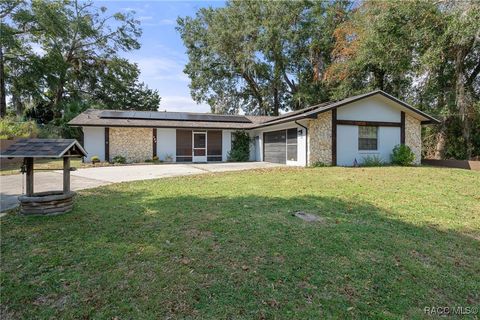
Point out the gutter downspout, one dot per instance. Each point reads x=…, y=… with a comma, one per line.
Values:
x=306, y=142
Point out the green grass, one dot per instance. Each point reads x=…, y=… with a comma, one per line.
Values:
x=391, y=242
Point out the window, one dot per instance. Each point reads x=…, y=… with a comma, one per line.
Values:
x=367, y=138
x=292, y=144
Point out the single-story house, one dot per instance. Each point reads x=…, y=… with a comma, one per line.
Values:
x=335, y=133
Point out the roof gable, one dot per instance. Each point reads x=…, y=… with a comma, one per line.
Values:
x=312, y=113
x=44, y=148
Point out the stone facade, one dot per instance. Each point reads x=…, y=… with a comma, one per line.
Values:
x=320, y=139
x=135, y=144
x=413, y=136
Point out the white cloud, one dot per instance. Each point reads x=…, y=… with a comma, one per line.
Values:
x=182, y=103
x=145, y=18
x=161, y=22
x=160, y=68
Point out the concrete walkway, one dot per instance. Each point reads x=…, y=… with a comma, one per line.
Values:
x=11, y=185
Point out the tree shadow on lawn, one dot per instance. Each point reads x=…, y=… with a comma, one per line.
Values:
x=135, y=255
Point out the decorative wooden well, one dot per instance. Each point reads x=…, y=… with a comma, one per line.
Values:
x=50, y=202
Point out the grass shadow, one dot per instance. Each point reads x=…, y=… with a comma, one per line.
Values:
x=131, y=253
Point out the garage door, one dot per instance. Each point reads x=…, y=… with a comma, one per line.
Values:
x=275, y=146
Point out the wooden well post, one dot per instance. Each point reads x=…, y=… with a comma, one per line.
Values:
x=29, y=178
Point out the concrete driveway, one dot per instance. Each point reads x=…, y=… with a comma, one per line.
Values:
x=11, y=185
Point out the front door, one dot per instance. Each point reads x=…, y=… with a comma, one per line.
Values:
x=199, y=146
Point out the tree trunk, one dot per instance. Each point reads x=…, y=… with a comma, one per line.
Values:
x=461, y=99
x=3, y=90
x=17, y=103
x=440, y=142
x=276, y=102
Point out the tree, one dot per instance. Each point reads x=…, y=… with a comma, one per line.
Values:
x=77, y=34
x=262, y=56
x=424, y=52
x=62, y=56
x=114, y=85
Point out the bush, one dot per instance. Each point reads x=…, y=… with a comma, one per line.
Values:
x=119, y=159
x=95, y=159
x=402, y=155
x=155, y=158
x=10, y=128
x=240, y=147
x=372, y=161
x=319, y=164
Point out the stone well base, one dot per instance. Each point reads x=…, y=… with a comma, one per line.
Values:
x=47, y=203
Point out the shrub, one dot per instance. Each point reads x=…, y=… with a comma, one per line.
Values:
x=10, y=128
x=240, y=147
x=372, y=161
x=95, y=159
x=155, y=158
x=319, y=164
x=119, y=159
x=402, y=155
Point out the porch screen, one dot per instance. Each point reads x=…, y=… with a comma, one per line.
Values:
x=184, y=145
x=214, y=145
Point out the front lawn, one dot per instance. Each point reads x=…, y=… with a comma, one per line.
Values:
x=391, y=241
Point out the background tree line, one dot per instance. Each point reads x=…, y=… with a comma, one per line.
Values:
x=58, y=58
x=266, y=56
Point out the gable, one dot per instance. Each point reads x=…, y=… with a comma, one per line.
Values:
x=374, y=108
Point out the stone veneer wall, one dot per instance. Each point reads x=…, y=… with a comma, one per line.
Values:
x=135, y=144
x=413, y=137
x=320, y=139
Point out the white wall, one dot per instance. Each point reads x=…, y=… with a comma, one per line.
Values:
x=94, y=142
x=301, y=142
x=376, y=108
x=347, y=144
x=166, y=143
x=226, y=143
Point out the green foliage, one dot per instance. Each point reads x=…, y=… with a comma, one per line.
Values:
x=260, y=56
x=372, y=161
x=402, y=155
x=119, y=159
x=77, y=61
x=10, y=128
x=319, y=164
x=155, y=158
x=95, y=159
x=240, y=150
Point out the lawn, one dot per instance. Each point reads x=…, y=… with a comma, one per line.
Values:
x=391, y=241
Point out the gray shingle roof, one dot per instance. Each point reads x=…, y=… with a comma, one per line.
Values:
x=94, y=117
x=43, y=148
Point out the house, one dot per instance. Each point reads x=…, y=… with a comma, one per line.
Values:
x=336, y=133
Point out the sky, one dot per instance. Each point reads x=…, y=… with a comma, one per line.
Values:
x=162, y=56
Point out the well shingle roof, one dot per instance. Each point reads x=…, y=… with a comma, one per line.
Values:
x=43, y=148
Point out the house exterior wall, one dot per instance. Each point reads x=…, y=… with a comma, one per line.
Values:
x=370, y=109
x=413, y=136
x=347, y=145
x=320, y=139
x=135, y=144
x=94, y=142
x=256, y=150
x=376, y=108
x=166, y=143
x=226, y=143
